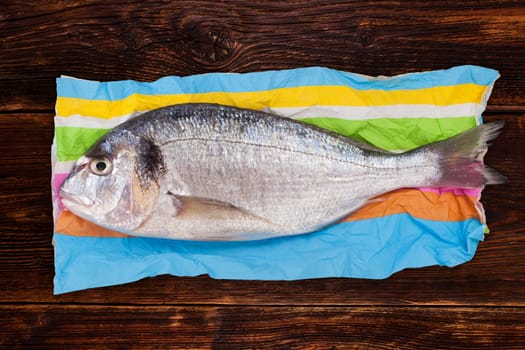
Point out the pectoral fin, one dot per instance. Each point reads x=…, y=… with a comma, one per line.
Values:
x=199, y=208
x=194, y=218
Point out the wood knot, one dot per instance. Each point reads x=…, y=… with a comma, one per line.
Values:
x=366, y=37
x=207, y=42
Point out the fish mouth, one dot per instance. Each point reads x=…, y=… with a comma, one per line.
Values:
x=71, y=199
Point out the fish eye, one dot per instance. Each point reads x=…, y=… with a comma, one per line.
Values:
x=101, y=166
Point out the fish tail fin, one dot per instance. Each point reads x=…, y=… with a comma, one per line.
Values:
x=461, y=158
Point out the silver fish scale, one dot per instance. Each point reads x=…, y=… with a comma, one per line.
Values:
x=295, y=177
x=210, y=172
x=214, y=122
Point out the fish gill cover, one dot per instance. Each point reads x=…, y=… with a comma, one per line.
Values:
x=410, y=228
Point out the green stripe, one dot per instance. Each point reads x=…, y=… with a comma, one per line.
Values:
x=72, y=142
x=386, y=133
x=396, y=134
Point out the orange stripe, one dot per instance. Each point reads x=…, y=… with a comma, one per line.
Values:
x=70, y=224
x=424, y=205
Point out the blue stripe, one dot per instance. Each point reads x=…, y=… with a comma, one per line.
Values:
x=260, y=81
x=373, y=248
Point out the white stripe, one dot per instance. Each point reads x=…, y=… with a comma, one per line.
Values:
x=92, y=122
x=376, y=112
x=342, y=112
x=63, y=167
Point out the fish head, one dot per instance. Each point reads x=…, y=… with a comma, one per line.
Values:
x=108, y=185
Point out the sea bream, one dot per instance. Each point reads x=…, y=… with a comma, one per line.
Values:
x=214, y=172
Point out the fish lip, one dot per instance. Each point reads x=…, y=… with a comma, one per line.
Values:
x=75, y=199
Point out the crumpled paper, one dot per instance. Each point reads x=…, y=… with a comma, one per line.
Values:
x=410, y=228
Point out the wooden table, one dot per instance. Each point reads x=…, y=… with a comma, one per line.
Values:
x=480, y=304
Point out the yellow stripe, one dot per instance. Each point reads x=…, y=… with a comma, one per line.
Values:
x=278, y=98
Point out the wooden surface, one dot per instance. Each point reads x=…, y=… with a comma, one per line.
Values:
x=480, y=304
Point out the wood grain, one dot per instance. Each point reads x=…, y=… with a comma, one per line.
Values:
x=479, y=304
x=166, y=327
x=145, y=40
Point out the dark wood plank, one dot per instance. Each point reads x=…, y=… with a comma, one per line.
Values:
x=476, y=305
x=163, y=327
x=25, y=148
x=496, y=276
x=145, y=40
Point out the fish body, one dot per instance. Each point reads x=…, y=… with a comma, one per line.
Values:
x=213, y=172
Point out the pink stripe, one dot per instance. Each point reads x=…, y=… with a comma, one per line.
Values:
x=58, y=180
x=472, y=192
